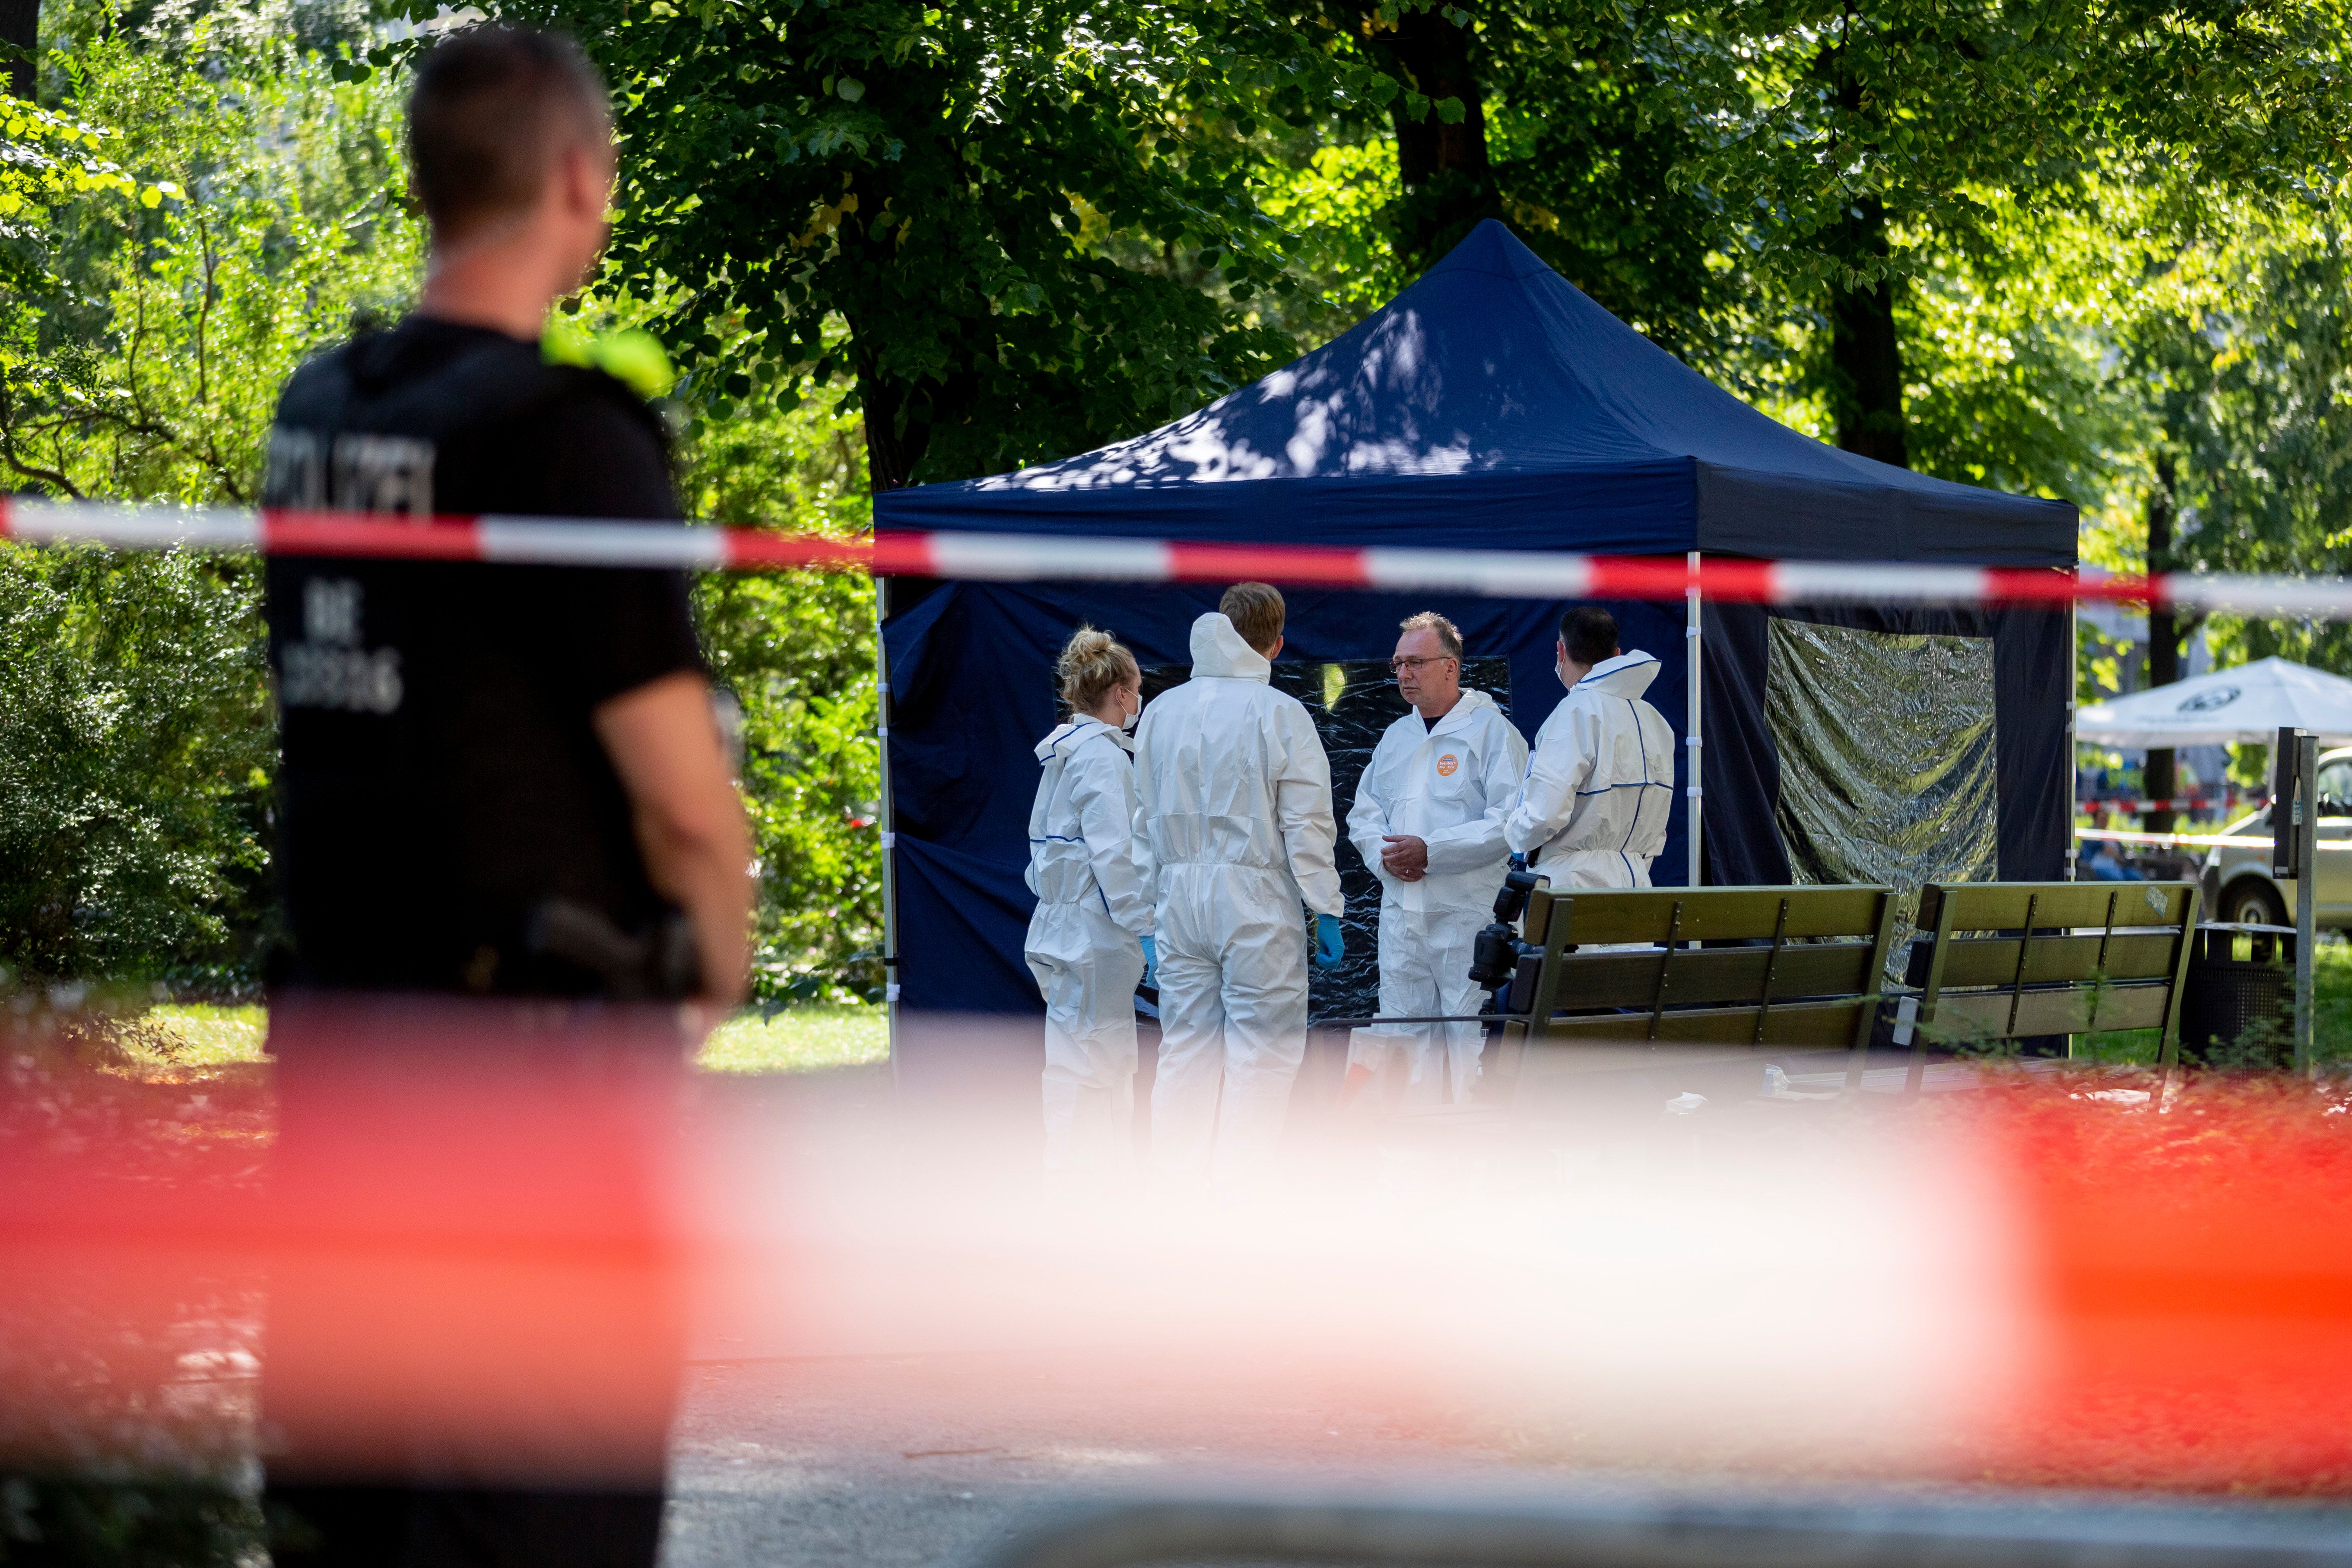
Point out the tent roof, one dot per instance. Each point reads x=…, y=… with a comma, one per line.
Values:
x=1492, y=403
x=2248, y=704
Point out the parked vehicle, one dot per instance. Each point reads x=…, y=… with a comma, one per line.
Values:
x=2238, y=883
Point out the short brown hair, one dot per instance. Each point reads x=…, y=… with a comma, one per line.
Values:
x=1092, y=663
x=1590, y=634
x=1257, y=611
x=493, y=107
x=1449, y=635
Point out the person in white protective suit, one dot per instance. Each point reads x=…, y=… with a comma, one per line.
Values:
x=1428, y=820
x=1237, y=808
x=1591, y=812
x=1090, y=939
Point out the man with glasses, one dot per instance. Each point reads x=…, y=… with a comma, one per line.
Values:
x=1428, y=820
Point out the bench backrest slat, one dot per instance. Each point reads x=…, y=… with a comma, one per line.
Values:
x=1983, y=1016
x=2001, y=905
x=2052, y=960
x=2067, y=957
x=1791, y=966
x=1715, y=974
x=1828, y=1025
x=1709, y=915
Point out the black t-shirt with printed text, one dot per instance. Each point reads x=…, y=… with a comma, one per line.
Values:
x=442, y=778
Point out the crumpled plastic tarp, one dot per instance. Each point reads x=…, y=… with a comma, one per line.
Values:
x=1887, y=754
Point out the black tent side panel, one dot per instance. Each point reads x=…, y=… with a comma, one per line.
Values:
x=2033, y=775
x=1897, y=516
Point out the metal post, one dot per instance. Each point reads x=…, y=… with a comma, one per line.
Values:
x=1694, y=648
x=889, y=834
x=2307, y=890
x=2073, y=747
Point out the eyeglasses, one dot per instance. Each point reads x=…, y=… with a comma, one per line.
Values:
x=1405, y=661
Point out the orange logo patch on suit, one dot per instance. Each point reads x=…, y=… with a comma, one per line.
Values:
x=1446, y=765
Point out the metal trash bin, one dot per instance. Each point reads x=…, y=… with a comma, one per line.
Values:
x=2227, y=996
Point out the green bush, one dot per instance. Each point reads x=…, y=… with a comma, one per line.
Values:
x=136, y=751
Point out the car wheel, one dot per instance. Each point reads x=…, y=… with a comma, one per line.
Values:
x=2253, y=902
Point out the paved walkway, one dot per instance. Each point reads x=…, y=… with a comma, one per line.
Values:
x=930, y=1459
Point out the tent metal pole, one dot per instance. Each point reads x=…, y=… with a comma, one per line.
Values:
x=1693, y=648
x=2306, y=894
x=2073, y=747
x=889, y=833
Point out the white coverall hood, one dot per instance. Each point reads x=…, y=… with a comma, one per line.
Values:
x=1592, y=811
x=1065, y=738
x=1236, y=800
x=1218, y=650
x=1628, y=675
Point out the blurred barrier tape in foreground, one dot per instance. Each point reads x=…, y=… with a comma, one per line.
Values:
x=2194, y=841
x=1014, y=557
x=483, y=1247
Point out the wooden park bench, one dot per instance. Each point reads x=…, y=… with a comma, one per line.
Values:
x=2009, y=960
x=1797, y=968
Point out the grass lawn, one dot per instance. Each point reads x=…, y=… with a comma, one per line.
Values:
x=2331, y=988
x=796, y=1039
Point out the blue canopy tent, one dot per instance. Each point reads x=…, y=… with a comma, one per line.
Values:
x=1490, y=405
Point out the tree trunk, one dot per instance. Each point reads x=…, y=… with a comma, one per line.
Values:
x=2159, y=778
x=890, y=454
x=20, y=29
x=1864, y=353
x=1448, y=183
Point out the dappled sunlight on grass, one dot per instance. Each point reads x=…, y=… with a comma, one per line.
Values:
x=178, y=1041
x=798, y=1039
x=199, y=1036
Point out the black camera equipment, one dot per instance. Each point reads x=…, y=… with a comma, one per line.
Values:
x=1495, y=961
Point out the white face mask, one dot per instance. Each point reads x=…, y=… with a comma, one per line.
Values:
x=1133, y=716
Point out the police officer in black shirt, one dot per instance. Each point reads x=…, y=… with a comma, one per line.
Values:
x=503, y=791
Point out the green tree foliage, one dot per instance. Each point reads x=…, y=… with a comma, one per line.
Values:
x=2246, y=366
x=1859, y=142
x=247, y=210
x=135, y=757
x=951, y=186
x=150, y=366
x=1553, y=117
x=136, y=746
x=797, y=651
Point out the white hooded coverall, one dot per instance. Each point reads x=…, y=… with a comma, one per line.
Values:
x=1449, y=786
x=1592, y=810
x=1237, y=806
x=1092, y=906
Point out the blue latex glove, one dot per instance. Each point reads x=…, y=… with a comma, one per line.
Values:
x=1331, y=946
x=1151, y=962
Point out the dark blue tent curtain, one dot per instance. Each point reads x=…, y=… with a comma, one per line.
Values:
x=1490, y=406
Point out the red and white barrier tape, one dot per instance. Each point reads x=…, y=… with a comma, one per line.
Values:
x=2131, y=805
x=1013, y=557
x=2193, y=840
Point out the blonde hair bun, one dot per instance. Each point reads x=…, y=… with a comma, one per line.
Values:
x=1092, y=664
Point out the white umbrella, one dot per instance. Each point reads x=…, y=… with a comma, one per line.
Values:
x=2249, y=704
